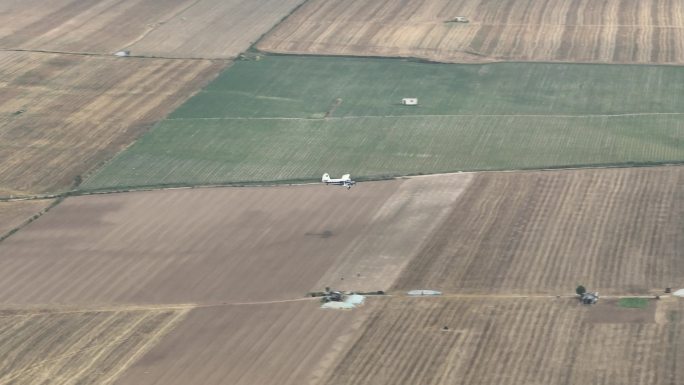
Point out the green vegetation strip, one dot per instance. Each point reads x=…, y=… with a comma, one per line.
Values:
x=286, y=118
x=638, y=303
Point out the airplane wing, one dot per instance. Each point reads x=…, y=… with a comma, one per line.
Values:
x=346, y=177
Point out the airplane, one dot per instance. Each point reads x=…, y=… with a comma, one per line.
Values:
x=344, y=181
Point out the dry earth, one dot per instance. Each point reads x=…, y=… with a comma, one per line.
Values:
x=512, y=341
x=14, y=214
x=609, y=31
x=613, y=230
x=169, y=28
x=223, y=245
x=283, y=344
x=63, y=115
x=60, y=347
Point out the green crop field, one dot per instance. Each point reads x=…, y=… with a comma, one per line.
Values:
x=286, y=118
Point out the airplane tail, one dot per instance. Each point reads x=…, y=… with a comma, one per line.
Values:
x=326, y=178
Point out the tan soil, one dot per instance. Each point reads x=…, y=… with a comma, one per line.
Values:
x=168, y=28
x=63, y=115
x=616, y=231
x=609, y=31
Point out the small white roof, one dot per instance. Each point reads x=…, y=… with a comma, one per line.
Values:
x=424, y=292
x=679, y=293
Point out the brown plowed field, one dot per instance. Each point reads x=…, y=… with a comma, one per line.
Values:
x=614, y=230
x=14, y=214
x=512, y=341
x=65, y=347
x=283, y=344
x=226, y=244
x=608, y=31
x=63, y=115
x=169, y=28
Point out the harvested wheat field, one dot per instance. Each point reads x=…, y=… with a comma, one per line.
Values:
x=267, y=344
x=609, y=31
x=168, y=28
x=617, y=231
x=60, y=116
x=513, y=341
x=71, y=346
x=14, y=214
x=218, y=245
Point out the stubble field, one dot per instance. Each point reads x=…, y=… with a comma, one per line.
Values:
x=63, y=115
x=611, y=31
x=513, y=341
x=615, y=231
x=294, y=118
x=169, y=28
x=64, y=347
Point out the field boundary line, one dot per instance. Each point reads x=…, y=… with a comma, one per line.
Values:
x=108, y=55
x=628, y=114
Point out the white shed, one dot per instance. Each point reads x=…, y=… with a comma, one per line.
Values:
x=409, y=101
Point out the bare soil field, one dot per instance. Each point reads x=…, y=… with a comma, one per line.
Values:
x=223, y=245
x=612, y=230
x=169, y=28
x=63, y=115
x=53, y=346
x=283, y=344
x=511, y=341
x=14, y=214
x=611, y=31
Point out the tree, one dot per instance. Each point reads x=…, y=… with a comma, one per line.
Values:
x=580, y=290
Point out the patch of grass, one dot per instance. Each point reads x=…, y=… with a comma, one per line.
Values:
x=637, y=303
x=263, y=121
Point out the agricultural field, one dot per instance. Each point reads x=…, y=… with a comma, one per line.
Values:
x=216, y=245
x=514, y=341
x=265, y=344
x=283, y=118
x=14, y=214
x=72, y=346
x=617, y=231
x=168, y=28
x=610, y=31
x=60, y=116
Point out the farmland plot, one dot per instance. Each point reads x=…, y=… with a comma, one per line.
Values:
x=267, y=344
x=223, y=245
x=611, y=31
x=13, y=214
x=615, y=231
x=72, y=346
x=62, y=115
x=294, y=118
x=168, y=28
x=516, y=341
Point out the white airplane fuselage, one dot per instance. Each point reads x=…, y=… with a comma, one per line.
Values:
x=344, y=181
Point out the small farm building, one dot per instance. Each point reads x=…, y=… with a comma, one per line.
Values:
x=409, y=101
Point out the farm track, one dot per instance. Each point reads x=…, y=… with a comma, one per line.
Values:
x=614, y=31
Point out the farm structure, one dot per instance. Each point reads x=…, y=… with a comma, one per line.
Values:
x=513, y=340
x=170, y=28
x=618, y=231
x=610, y=31
x=60, y=116
x=294, y=118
